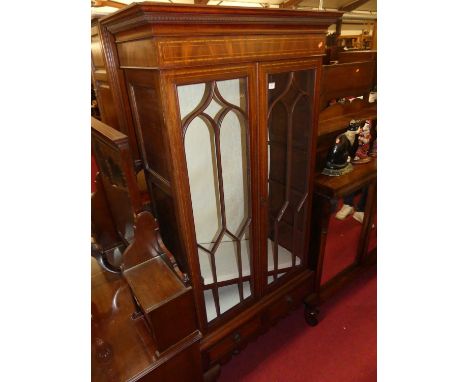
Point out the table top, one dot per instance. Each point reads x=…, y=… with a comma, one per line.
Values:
x=339, y=186
x=143, y=278
x=121, y=347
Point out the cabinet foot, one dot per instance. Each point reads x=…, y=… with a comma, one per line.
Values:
x=311, y=315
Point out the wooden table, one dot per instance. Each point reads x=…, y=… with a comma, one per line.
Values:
x=327, y=191
x=122, y=348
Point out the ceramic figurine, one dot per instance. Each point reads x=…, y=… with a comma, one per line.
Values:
x=362, y=153
x=339, y=157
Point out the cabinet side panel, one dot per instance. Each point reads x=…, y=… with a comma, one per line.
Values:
x=145, y=102
x=184, y=367
x=97, y=56
x=101, y=84
x=163, y=206
x=106, y=104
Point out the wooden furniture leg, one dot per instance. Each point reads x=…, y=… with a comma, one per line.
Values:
x=320, y=221
x=366, y=224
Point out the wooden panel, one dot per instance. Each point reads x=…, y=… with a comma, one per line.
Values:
x=139, y=53
x=338, y=186
x=163, y=204
x=145, y=101
x=96, y=52
x=100, y=78
x=347, y=76
x=102, y=226
x=335, y=118
x=213, y=354
x=175, y=320
x=205, y=50
x=343, y=80
x=361, y=55
x=116, y=100
x=286, y=303
x=165, y=301
x=106, y=104
x=145, y=276
x=100, y=75
x=185, y=366
x=234, y=340
x=112, y=154
x=225, y=49
x=185, y=19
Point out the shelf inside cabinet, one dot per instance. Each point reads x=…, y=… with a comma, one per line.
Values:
x=226, y=264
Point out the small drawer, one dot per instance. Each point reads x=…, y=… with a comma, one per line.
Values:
x=234, y=340
x=286, y=303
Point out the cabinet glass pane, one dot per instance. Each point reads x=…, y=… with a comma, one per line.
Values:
x=289, y=128
x=215, y=126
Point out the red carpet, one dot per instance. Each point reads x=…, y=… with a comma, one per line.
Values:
x=342, y=348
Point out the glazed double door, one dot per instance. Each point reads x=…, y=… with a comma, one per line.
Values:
x=247, y=137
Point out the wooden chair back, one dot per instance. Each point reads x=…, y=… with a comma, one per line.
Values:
x=111, y=151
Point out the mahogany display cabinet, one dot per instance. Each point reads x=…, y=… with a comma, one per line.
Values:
x=224, y=103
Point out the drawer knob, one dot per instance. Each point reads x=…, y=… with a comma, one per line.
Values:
x=236, y=337
x=289, y=299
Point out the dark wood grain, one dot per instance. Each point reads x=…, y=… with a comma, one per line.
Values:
x=171, y=53
x=346, y=80
x=103, y=230
x=150, y=49
x=112, y=84
x=357, y=55
x=158, y=285
x=145, y=276
x=122, y=348
x=335, y=118
x=339, y=186
x=100, y=79
x=111, y=151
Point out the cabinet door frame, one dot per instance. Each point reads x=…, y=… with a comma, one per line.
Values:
x=169, y=81
x=264, y=69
